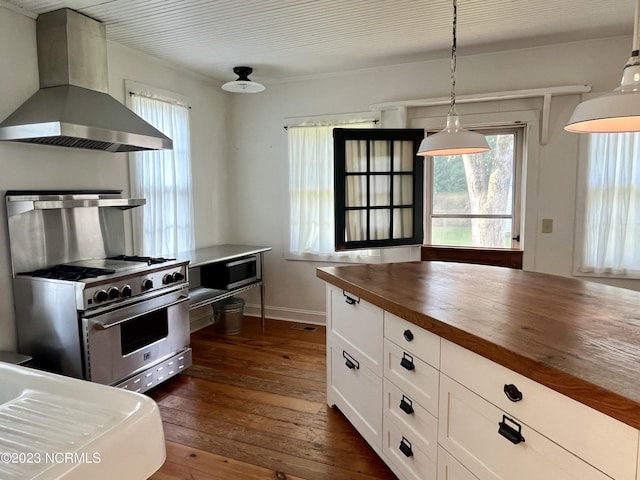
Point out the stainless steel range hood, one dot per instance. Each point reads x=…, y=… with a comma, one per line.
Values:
x=73, y=107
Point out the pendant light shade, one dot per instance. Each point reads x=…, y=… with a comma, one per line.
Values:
x=453, y=140
x=619, y=111
x=243, y=84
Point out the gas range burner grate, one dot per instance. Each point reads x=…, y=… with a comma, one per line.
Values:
x=136, y=258
x=69, y=272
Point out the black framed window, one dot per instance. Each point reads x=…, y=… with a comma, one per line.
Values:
x=378, y=188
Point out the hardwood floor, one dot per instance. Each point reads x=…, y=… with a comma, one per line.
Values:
x=253, y=406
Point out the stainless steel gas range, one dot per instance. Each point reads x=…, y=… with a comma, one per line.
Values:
x=83, y=308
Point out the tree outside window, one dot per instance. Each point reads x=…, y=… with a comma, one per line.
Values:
x=473, y=199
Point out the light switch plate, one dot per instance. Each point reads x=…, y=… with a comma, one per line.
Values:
x=547, y=225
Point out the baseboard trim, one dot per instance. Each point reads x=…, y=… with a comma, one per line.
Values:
x=287, y=314
x=200, y=317
x=199, y=324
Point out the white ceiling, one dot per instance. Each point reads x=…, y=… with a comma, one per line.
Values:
x=284, y=39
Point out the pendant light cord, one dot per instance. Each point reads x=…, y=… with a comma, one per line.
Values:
x=636, y=31
x=452, y=109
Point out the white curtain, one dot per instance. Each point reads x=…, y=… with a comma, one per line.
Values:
x=612, y=206
x=164, y=226
x=311, y=188
x=377, y=189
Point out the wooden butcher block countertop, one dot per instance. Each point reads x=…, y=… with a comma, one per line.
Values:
x=579, y=338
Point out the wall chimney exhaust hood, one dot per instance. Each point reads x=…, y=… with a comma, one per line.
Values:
x=73, y=107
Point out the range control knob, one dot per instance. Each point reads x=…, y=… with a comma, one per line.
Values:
x=100, y=296
x=125, y=291
x=167, y=279
x=147, y=284
x=177, y=276
x=113, y=293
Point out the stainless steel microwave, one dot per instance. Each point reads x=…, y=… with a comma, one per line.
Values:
x=229, y=275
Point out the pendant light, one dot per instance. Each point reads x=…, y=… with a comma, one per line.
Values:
x=453, y=140
x=243, y=84
x=618, y=111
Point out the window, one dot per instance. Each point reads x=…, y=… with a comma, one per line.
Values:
x=164, y=225
x=611, y=221
x=474, y=200
x=378, y=188
x=311, y=210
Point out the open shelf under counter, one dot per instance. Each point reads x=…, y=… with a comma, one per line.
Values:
x=202, y=295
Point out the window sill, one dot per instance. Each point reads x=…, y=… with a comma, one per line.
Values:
x=362, y=257
x=501, y=257
x=626, y=275
x=410, y=253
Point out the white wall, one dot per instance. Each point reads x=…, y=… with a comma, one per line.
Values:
x=259, y=168
x=208, y=124
x=41, y=167
x=239, y=147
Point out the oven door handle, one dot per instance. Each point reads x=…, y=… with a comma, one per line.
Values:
x=106, y=325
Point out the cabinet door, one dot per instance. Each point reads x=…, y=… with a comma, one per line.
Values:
x=469, y=429
x=357, y=323
x=357, y=392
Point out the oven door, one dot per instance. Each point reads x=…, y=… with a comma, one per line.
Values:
x=127, y=340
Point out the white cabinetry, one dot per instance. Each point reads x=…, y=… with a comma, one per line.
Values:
x=410, y=425
x=432, y=409
x=354, y=362
x=451, y=469
x=469, y=431
x=597, y=439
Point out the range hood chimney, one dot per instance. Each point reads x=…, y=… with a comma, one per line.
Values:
x=73, y=107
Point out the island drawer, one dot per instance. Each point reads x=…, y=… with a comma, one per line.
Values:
x=410, y=417
x=600, y=440
x=494, y=445
x=407, y=454
x=451, y=469
x=357, y=323
x=357, y=391
x=414, y=339
x=416, y=378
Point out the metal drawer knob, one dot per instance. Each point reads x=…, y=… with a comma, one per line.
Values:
x=350, y=362
x=512, y=392
x=512, y=432
x=407, y=362
x=350, y=300
x=405, y=447
x=408, y=335
x=406, y=405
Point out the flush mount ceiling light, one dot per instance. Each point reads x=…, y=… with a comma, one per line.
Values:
x=453, y=140
x=243, y=84
x=618, y=111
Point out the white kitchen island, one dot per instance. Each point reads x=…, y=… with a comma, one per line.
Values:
x=471, y=372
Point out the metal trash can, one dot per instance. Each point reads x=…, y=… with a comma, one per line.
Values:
x=227, y=315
